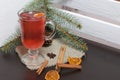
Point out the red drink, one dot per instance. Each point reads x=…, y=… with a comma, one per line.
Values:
x=33, y=29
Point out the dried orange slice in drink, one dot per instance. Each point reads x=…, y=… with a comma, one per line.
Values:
x=74, y=60
x=38, y=15
x=52, y=75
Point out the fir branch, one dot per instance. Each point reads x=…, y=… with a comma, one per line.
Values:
x=35, y=5
x=65, y=16
x=71, y=39
x=45, y=5
x=39, y=5
x=11, y=43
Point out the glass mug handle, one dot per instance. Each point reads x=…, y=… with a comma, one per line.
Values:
x=51, y=25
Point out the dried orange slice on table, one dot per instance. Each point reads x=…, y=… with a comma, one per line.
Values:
x=74, y=60
x=52, y=75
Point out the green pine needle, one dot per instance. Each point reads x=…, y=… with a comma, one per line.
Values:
x=11, y=43
x=66, y=17
x=72, y=40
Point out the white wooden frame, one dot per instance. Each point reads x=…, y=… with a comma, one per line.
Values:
x=100, y=19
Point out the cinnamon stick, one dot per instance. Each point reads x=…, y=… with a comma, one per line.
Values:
x=40, y=69
x=61, y=65
x=61, y=56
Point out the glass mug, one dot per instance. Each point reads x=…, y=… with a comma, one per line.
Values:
x=32, y=26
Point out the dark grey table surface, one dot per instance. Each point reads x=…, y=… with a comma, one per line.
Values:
x=100, y=64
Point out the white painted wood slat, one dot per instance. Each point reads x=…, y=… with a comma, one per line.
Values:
x=100, y=19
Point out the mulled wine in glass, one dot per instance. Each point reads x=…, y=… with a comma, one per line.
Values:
x=33, y=34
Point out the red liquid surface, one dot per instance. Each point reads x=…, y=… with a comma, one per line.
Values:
x=32, y=30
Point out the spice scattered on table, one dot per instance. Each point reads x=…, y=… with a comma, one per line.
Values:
x=74, y=63
x=51, y=55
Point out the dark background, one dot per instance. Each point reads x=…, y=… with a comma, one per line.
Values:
x=101, y=63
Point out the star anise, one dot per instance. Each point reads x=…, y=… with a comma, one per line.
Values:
x=51, y=55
